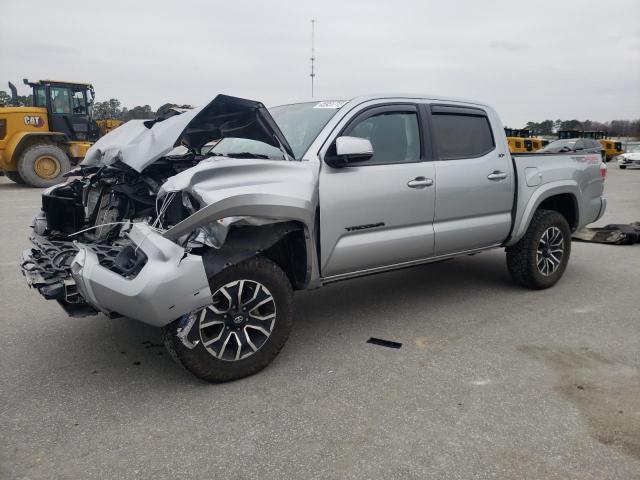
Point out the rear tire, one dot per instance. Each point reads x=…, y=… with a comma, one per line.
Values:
x=43, y=165
x=540, y=258
x=233, y=340
x=15, y=177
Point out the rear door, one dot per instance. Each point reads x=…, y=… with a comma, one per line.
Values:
x=475, y=184
x=379, y=212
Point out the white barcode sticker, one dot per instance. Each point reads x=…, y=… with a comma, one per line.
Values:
x=330, y=104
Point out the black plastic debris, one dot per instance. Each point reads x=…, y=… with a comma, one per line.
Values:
x=613, y=234
x=384, y=343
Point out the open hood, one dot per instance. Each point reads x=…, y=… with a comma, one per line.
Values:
x=139, y=143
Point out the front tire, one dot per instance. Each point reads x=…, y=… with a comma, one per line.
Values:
x=43, y=165
x=540, y=258
x=244, y=328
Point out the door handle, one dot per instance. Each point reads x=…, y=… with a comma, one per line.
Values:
x=497, y=175
x=420, y=182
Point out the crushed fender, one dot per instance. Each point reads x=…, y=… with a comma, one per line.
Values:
x=614, y=234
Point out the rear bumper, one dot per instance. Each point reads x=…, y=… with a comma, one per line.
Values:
x=169, y=285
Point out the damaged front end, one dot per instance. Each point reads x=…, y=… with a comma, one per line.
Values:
x=151, y=219
x=166, y=281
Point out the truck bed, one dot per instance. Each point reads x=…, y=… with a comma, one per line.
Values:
x=539, y=174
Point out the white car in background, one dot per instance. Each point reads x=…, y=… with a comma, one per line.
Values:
x=631, y=157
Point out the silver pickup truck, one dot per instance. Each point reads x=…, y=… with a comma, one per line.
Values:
x=205, y=222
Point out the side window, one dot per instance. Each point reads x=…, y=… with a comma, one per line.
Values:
x=461, y=136
x=40, y=99
x=395, y=137
x=60, y=100
x=579, y=145
x=79, y=103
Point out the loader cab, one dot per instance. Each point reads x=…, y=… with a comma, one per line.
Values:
x=569, y=134
x=69, y=107
x=594, y=135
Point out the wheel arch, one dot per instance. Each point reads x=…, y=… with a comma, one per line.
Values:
x=564, y=203
x=284, y=243
x=561, y=197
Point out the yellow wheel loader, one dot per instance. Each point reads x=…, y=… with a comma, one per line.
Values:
x=39, y=144
x=522, y=141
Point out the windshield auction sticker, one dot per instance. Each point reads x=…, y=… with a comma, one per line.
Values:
x=330, y=104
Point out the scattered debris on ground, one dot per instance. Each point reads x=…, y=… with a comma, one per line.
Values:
x=615, y=234
x=384, y=343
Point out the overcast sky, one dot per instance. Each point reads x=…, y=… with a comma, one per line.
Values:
x=548, y=59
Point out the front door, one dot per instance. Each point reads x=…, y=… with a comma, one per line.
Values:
x=379, y=212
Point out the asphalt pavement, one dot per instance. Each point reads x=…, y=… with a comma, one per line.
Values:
x=491, y=381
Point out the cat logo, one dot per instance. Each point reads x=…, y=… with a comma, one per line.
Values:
x=34, y=120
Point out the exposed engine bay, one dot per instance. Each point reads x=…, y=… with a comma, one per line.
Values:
x=152, y=214
x=97, y=210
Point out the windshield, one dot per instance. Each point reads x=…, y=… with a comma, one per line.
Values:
x=300, y=124
x=633, y=149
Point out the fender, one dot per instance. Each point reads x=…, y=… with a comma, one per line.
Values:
x=521, y=222
x=17, y=142
x=266, y=205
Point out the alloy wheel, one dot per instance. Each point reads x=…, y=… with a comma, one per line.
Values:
x=550, y=251
x=239, y=321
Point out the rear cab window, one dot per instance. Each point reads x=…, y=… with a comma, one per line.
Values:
x=79, y=102
x=461, y=132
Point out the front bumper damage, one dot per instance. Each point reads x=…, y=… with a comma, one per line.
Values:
x=46, y=266
x=171, y=283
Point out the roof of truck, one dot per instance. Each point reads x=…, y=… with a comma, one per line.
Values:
x=443, y=98
x=335, y=103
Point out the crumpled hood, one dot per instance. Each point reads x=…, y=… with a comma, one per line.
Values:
x=139, y=143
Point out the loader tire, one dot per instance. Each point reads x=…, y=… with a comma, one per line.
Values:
x=43, y=165
x=244, y=328
x=540, y=258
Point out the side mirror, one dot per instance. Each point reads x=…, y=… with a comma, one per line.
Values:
x=350, y=150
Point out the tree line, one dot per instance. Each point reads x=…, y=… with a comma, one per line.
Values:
x=113, y=109
x=613, y=128
x=109, y=109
